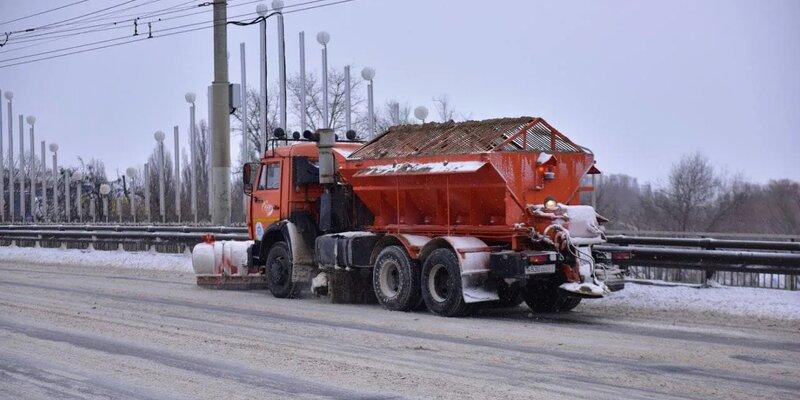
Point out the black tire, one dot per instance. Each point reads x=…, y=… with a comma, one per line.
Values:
x=547, y=297
x=279, y=272
x=510, y=295
x=441, y=284
x=395, y=280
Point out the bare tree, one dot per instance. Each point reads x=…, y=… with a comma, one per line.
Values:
x=443, y=107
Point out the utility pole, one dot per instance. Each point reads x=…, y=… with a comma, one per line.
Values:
x=43, y=201
x=190, y=98
x=245, y=145
x=347, y=104
x=261, y=9
x=221, y=154
x=277, y=6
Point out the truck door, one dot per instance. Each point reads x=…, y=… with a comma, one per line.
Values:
x=266, y=197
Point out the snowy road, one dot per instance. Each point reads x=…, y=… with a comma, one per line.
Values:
x=91, y=332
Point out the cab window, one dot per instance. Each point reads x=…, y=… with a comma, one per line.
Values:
x=270, y=176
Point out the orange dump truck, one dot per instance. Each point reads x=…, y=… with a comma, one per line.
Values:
x=441, y=215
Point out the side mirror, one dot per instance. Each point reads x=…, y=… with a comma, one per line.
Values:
x=248, y=176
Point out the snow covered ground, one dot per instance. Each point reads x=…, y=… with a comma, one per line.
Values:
x=740, y=301
x=113, y=259
x=748, y=302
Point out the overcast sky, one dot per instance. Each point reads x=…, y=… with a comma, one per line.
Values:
x=638, y=82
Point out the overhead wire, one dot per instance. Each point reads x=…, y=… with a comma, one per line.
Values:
x=107, y=42
x=43, y=12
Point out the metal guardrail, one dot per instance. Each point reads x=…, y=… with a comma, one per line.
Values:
x=703, y=254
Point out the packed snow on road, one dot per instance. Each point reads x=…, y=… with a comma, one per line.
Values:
x=739, y=301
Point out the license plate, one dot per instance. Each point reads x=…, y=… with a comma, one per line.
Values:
x=540, y=269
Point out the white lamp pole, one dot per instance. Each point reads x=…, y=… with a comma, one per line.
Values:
x=190, y=98
x=131, y=172
x=277, y=6
x=11, y=212
x=54, y=149
x=31, y=163
x=2, y=168
x=67, y=205
x=93, y=209
x=77, y=177
x=43, y=201
x=159, y=136
x=104, y=191
x=21, y=169
x=323, y=38
x=347, y=104
x=261, y=9
x=147, y=192
x=245, y=144
x=302, y=39
x=369, y=74
x=177, y=174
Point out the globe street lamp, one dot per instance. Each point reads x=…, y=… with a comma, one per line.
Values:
x=190, y=98
x=31, y=164
x=159, y=136
x=54, y=148
x=368, y=74
x=421, y=113
x=104, y=191
x=77, y=177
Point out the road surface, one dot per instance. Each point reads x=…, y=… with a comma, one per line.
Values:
x=94, y=332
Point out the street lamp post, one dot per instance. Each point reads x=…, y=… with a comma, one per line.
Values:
x=302, y=40
x=177, y=174
x=21, y=169
x=147, y=192
x=54, y=149
x=104, y=191
x=2, y=168
x=369, y=74
x=323, y=38
x=10, y=96
x=77, y=177
x=190, y=98
x=31, y=163
x=159, y=136
x=347, y=104
x=262, y=10
x=67, y=205
x=43, y=201
x=131, y=172
x=277, y=6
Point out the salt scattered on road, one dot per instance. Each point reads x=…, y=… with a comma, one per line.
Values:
x=112, y=259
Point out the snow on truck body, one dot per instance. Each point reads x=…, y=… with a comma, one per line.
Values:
x=447, y=214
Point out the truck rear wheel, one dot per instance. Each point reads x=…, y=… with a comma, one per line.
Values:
x=279, y=272
x=395, y=280
x=547, y=297
x=441, y=284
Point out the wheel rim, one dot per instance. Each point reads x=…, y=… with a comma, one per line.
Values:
x=438, y=283
x=389, y=278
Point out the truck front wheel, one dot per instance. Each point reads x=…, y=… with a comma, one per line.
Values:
x=279, y=272
x=396, y=280
x=441, y=284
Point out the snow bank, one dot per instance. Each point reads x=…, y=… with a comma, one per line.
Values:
x=753, y=302
x=112, y=259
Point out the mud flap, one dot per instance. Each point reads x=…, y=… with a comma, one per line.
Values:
x=476, y=287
